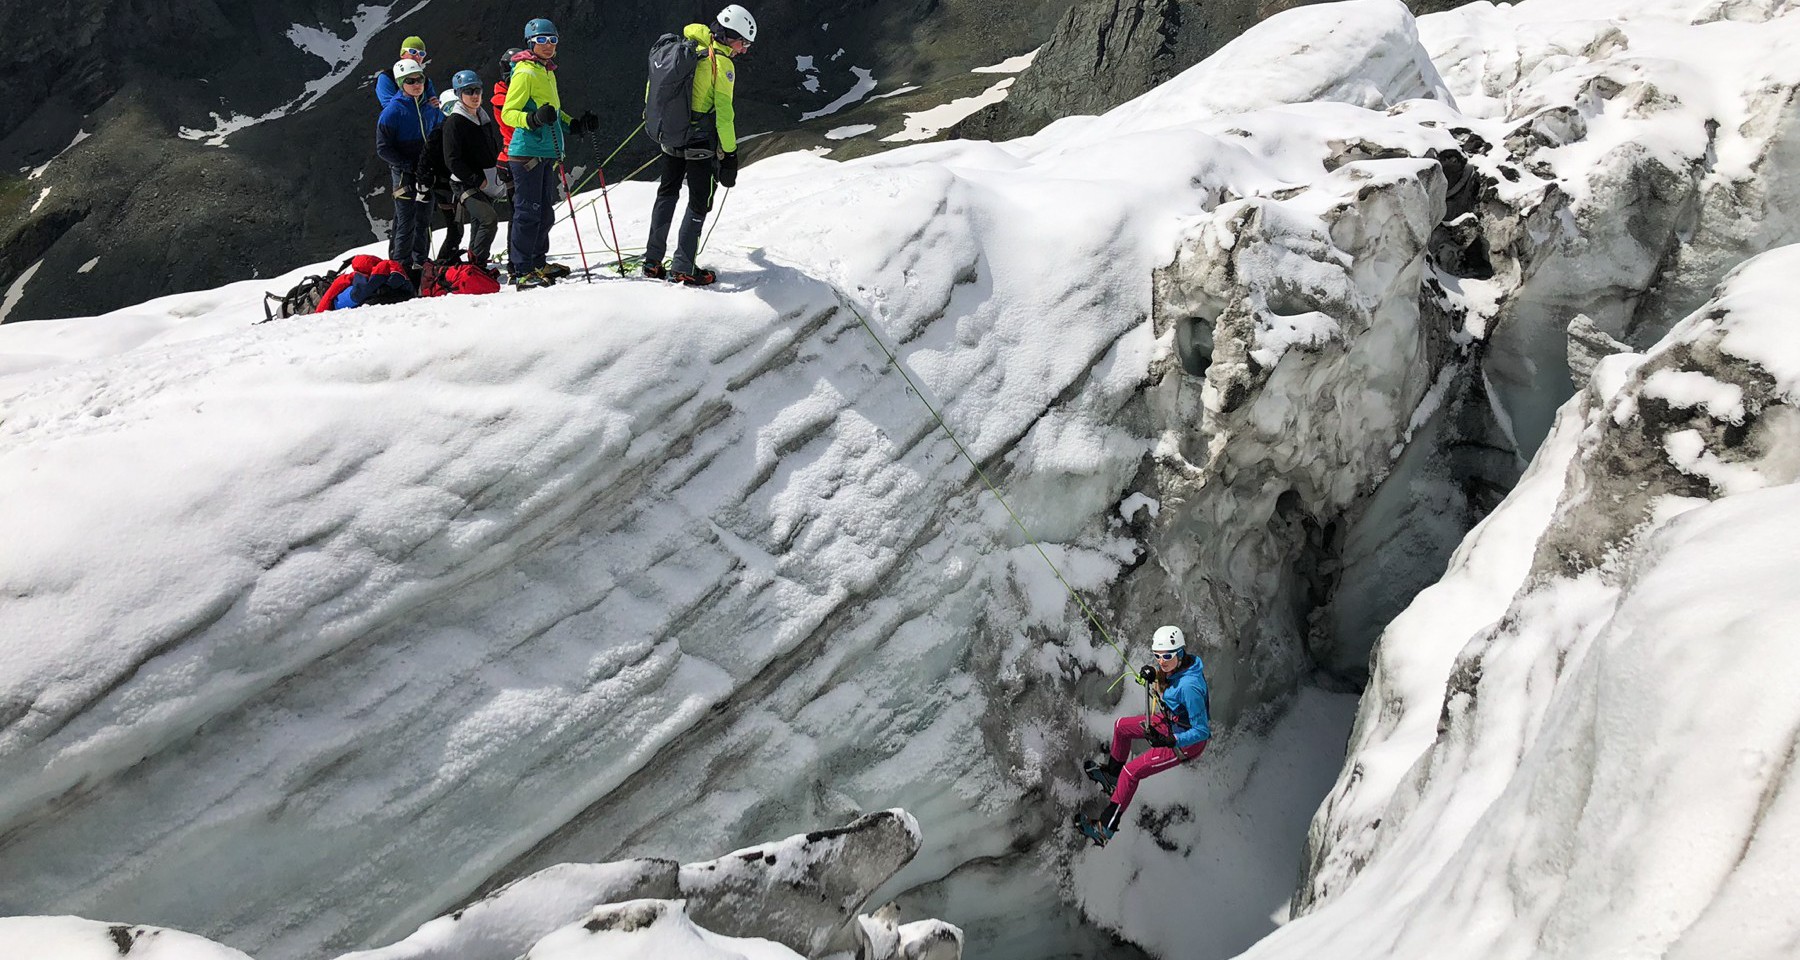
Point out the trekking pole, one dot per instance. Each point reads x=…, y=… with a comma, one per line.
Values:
x=599, y=171
x=585, y=270
x=617, y=250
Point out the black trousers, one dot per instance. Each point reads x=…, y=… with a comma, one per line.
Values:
x=477, y=210
x=698, y=174
x=453, y=228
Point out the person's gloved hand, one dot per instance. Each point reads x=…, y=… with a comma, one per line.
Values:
x=542, y=117
x=586, y=123
x=728, y=169
x=1159, y=738
x=1147, y=675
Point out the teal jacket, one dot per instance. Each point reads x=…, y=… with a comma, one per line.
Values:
x=532, y=85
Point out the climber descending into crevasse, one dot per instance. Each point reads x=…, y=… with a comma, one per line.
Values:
x=1178, y=725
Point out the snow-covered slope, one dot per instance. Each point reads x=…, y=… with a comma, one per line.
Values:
x=316, y=630
x=380, y=607
x=785, y=900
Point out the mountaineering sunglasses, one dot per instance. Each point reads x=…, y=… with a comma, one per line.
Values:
x=415, y=54
x=469, y=92
x=409, y=81
x=1168, y=655
x=546, y=38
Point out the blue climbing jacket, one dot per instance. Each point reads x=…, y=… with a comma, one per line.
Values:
x=400, y=135
x=1184, y=702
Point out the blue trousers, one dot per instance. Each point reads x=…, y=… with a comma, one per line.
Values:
x=534, y=212
x=410, y=240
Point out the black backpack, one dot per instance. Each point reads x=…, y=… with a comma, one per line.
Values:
x=669, y=116
x=303, y=298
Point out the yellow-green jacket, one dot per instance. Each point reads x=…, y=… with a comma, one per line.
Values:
x=531, y=86
x=715, y=81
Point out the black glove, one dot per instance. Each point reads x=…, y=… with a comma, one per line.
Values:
x=543, y=117
x=1158, y=738
x=728, y=169
x=586, y=123
x=1147, y=675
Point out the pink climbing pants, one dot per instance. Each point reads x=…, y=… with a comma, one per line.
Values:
x=1153, y=760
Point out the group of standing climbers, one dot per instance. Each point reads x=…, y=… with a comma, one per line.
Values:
x=465, y=154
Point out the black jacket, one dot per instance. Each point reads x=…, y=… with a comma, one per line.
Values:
x=471, y=148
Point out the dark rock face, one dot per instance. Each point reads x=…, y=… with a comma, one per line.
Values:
x=1105, y=52
x=164, y=213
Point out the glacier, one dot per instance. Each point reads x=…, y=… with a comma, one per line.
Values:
x=1433, y=374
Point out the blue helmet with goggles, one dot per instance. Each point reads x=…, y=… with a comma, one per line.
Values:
x=540, y=31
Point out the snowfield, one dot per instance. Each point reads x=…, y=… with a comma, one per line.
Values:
x=1370, y=350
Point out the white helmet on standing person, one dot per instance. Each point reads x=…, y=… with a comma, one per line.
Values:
x=406, y=68
x=1167, y=639
x=739, y=21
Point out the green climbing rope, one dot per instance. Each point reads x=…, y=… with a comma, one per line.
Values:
x=1038, y=546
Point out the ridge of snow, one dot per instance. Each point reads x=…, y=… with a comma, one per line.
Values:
x=1011, y=64
x=925, y=124
x=865, y=84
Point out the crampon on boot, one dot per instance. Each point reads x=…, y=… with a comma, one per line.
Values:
x=655, y=270
x=700, y=277
x=1096, y=832
x=1102, y=828
x=1105, y=774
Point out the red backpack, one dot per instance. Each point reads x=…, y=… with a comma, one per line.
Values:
x=458, y=278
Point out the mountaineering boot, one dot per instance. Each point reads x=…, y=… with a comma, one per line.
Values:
x=532, y=280
x=1102, y=828
x=700, y=277
x=1105, y=774
x=655, y=270
x=555, y=271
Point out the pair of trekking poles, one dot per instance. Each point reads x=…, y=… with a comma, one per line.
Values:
x=605, y=196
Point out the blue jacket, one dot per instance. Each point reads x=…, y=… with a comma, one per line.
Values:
x=387, y=88
x=1184, y=702
x=400, y=135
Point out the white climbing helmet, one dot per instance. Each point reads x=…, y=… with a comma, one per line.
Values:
x=738, y=21
x=407, y=68
x=1168, y=638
